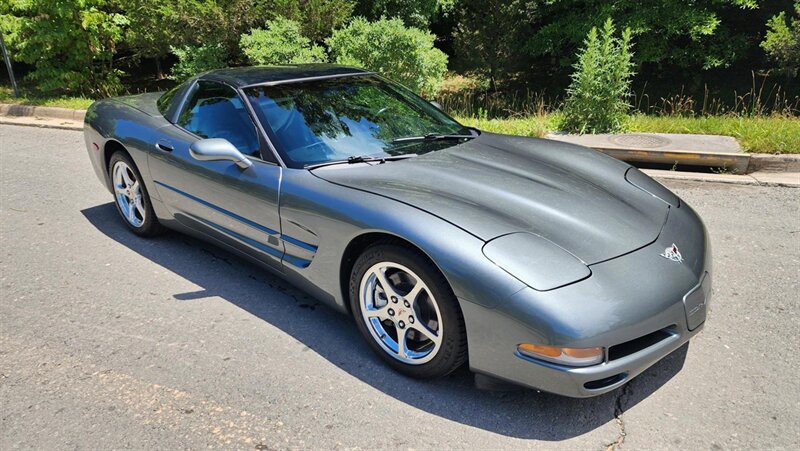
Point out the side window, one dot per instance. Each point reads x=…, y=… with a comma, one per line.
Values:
x=216, y=111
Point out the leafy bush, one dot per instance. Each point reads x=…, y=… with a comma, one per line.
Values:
x=690, y=34
x=597, y=98
x=404, y=54
x=156, y=25
x=415, y=13
x=195, y=59
x=782, y=42
x=318, y=18
x=70, y=44
x=280, y=43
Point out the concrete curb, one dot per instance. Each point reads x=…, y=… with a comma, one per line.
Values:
x=744, y=163
x=771, y=179
x=7, y=109
x=734, y=162
x=42, y=123
x=764, y=162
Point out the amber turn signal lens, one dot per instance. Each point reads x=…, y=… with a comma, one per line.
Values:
x=549, y=351
x=583, y=353
x=564, y=356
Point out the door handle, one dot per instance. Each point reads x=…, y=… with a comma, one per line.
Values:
x=164, y=146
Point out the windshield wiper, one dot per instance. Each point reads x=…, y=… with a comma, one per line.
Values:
x=432, y=137
x=361, y=159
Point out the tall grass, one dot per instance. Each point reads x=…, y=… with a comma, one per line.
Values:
x=485, y=104
x=762, y=120
x=758, y=101
x=537, y=126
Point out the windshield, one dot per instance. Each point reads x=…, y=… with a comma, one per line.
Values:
x=330, y=120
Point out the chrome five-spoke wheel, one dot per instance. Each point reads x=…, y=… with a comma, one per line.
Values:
x=131, y=197
x=406, y=311
x=401, y=313
x=128, y=193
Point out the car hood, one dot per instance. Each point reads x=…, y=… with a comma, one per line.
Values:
x=494, y=185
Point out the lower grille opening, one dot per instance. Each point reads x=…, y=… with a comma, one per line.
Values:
x=629, y=347
x=605, y=382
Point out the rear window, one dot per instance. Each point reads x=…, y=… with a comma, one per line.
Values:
x=165, y=100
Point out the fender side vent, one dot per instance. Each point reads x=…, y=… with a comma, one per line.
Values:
x=637, y=344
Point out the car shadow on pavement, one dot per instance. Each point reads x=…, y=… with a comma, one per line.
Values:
x=519, y=413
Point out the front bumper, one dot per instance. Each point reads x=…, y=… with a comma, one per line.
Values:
x=624, y=301
x=582, y=382
x=598, y=379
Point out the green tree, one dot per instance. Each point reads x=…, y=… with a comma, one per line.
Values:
x=150, y=32
x=225, y=21
x=280, y=43
x=487, y=35
x=414, y=13
x=70, y=43
x=689, y=33
x=155, y=26
x=10, y=23
x=240, y=16
x=318, y=18
x=782, y=42
x=404, y=54
x=194, y=59
x=597, y=99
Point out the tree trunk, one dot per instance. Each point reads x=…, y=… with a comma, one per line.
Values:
x=159, y=69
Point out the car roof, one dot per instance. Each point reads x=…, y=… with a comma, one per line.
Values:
x=245, y=76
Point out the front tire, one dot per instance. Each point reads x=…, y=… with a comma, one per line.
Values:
x=407, y=312
x=131, y=196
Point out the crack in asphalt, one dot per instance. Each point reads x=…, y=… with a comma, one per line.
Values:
x=624, y=393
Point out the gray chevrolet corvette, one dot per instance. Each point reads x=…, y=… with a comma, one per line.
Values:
x=540, y=263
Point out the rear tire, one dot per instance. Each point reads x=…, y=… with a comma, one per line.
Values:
x=416, y=325
x=131, y=197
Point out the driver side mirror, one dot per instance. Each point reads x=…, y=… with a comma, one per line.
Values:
x=218, y=149
x=437, y=104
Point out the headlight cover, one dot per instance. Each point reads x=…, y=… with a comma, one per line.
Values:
x=640, y=180
x=535, y=261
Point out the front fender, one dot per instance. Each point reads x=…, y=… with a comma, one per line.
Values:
x=318, y=211
x=625, y=298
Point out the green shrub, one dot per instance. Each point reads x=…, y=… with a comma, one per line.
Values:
x=404, y=54
x=597, y=98
x=414, y=13
x=318, y=18
x=782, y=41
x=193, y=60
x=70, y=44
x=280, y=43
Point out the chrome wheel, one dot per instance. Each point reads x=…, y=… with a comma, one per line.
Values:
x=400, y=313
x=128, y=193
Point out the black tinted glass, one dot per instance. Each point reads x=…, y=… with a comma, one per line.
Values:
x=165, y=100
x=216, y=111
x=318, y=121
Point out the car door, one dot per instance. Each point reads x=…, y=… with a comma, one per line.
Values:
x=236, y=206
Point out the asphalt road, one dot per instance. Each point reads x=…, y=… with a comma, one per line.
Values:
x=112, y=341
